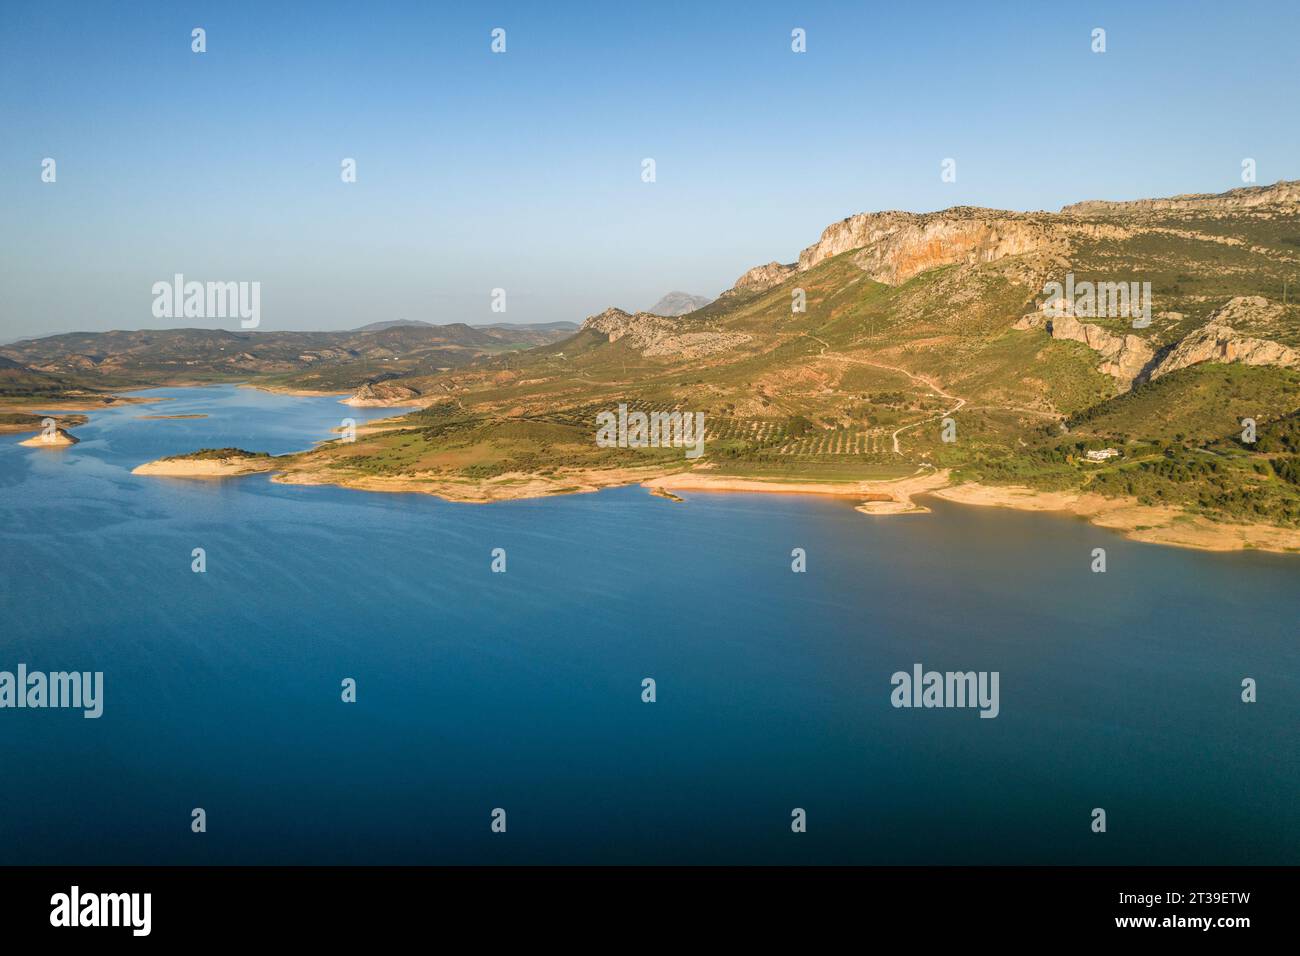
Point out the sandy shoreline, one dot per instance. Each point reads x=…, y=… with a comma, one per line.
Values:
x=205, y=467
x=512, y=486
x=1153, y=524
x=298, y=392
x=54, y=406
x=890, y=496
x=877, y=498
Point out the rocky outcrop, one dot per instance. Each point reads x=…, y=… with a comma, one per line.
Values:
x=657, y=336
x=926, y=244
x=615, y=323
x=57, y=438
x=1124, y=357
x=1219, y=343
x=382, y=395
x=1226, y=338
x=855, y=232
x=1249, y=312
x=898, y=245
x=1283, y=195
x=762, y=277
x=895, y=246
x=892, y=247
x=1131, y=360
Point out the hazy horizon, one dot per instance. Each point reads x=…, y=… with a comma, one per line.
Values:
x=184, y=325
x=522, y=170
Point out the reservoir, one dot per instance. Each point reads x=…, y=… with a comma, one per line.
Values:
x=522, y=690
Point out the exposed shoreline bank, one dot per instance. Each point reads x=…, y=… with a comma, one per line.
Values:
x=295, y=392
x=1152, y=524
x=232, y=467
x=887, y=496
x=878, y=498
x=512, y=486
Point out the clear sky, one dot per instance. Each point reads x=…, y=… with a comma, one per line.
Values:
x=522, y=170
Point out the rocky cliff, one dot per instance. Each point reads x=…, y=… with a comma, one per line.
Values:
x=1124, y=357
x=1131, y=360
x=660, y=336
x=1222, y=339
x=1282, y=197
x=898, y=245
x=895, y=246
x=762, y=277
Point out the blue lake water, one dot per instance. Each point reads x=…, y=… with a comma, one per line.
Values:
x=523, y=690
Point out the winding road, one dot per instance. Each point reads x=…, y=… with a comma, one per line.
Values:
x=921, y=379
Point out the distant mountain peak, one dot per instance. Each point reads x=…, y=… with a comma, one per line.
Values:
x=678, y=303
x=393, y=324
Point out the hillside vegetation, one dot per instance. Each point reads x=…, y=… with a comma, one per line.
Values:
x=899, y=342
x=911, y=320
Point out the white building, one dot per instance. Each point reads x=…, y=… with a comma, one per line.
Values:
x=1101, y=455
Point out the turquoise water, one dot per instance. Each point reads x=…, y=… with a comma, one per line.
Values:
x=523, y=690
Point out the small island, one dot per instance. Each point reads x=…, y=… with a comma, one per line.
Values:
x=58, y=438
x=209, y=463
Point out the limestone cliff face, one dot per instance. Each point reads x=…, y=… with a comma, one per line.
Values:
x=1123, y=356
x=1223, y=339
x=855, y=232
x=892, y=247
x=762, y=277
x=928, y=242
x=660, y=336
x=1282, y=197
x=895, y=246
x=1219, y=343
x=1130, y=359
x=898, y=245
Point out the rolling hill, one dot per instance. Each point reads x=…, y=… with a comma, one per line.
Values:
x=327, y=361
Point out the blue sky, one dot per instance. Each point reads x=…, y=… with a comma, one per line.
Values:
x=522, y=170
